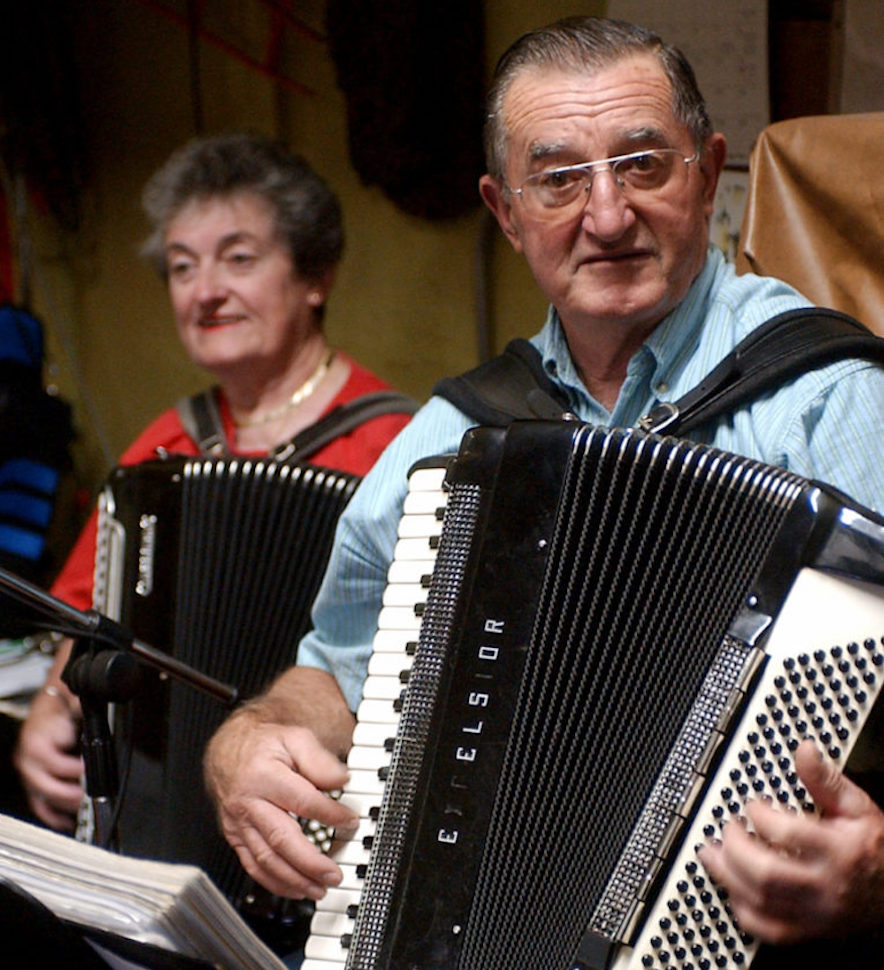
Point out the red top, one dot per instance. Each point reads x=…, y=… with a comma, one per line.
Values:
x=355, y=452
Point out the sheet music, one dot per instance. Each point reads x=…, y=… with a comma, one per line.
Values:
x=726, y=43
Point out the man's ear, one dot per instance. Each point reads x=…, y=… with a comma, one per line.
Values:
x=497, y=200
x=711, y=164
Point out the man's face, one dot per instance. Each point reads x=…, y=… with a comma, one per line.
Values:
x=613, y=258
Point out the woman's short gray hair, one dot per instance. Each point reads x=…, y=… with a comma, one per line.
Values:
x=588, y=45
x=306, y=211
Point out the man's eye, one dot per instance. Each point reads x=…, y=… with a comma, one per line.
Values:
x=641, y=164
x=644, y=162
x=560, y=178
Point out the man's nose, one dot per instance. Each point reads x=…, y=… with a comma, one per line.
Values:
x=607, y=212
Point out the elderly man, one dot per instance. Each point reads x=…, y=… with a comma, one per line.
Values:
x=602, y=172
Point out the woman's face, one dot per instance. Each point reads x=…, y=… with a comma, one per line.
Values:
x=239, y=304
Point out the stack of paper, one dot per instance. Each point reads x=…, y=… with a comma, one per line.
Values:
x=173, y=906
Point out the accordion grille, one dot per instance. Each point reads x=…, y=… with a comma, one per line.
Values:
x=655, y=528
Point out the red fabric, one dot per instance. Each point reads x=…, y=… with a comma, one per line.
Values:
x=355, y=452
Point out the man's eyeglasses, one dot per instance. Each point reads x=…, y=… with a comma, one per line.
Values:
x=636, y=173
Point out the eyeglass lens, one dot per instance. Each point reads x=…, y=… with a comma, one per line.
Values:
x=642, y=172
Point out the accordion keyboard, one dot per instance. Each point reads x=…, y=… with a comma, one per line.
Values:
x=378, y=714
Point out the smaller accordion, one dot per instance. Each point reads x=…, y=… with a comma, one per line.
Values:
x=595, y=646
x=217, y=562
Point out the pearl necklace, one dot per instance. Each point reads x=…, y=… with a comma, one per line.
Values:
x=301, y=394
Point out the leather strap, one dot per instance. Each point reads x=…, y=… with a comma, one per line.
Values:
x=201, y=418
x=789, y=344
x=514, y=386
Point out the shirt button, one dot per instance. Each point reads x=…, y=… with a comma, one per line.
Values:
x=662, y=387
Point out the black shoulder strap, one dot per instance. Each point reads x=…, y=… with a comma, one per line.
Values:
x=512, y=386
x=789, y=344
x=343, y=419
x=201, y=418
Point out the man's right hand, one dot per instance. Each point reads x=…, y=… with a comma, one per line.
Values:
x=262, y=775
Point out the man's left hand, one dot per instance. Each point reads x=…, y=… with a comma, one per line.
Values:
x=798, y=877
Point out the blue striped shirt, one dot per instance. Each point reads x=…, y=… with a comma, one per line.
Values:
x=823, y=425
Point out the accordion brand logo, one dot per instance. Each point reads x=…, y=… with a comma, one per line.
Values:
x=146, y=550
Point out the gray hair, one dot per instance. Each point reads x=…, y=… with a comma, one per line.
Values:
x=306, y=211
x=588, y=45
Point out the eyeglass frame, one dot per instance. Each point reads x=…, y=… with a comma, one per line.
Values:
x=589, y=167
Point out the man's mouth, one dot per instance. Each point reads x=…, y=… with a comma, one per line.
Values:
x=616, y=257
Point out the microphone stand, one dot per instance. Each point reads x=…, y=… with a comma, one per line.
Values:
x=103, y=669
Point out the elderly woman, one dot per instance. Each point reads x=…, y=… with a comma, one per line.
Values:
x=247, y=238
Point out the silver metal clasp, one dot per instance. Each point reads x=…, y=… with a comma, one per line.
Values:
x=659, y=418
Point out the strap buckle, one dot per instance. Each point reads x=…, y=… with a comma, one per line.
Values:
x=660, y=418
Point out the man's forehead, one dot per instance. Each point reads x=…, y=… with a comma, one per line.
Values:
x=634, y=73
x=545, y=106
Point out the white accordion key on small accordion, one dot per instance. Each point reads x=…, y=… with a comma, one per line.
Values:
x=624, y=635
x=378, y=714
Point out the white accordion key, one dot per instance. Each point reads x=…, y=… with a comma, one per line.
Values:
x=383, y=688
x=419, y=526
x=390, y=641
x=399, y=618
x=411, y=571
x=423, y=503
x=328, y=948
x=351, y=879
x=360, y=803
x=378, y=711
x=351, y=853
x=404, y=594
x=332, y=924
x=368, y=759
x=371, y=735
x=409, y=549
x=388, y=665
x=366, y=783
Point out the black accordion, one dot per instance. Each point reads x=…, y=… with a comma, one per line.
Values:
x=616, y=640
x=217, y=562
